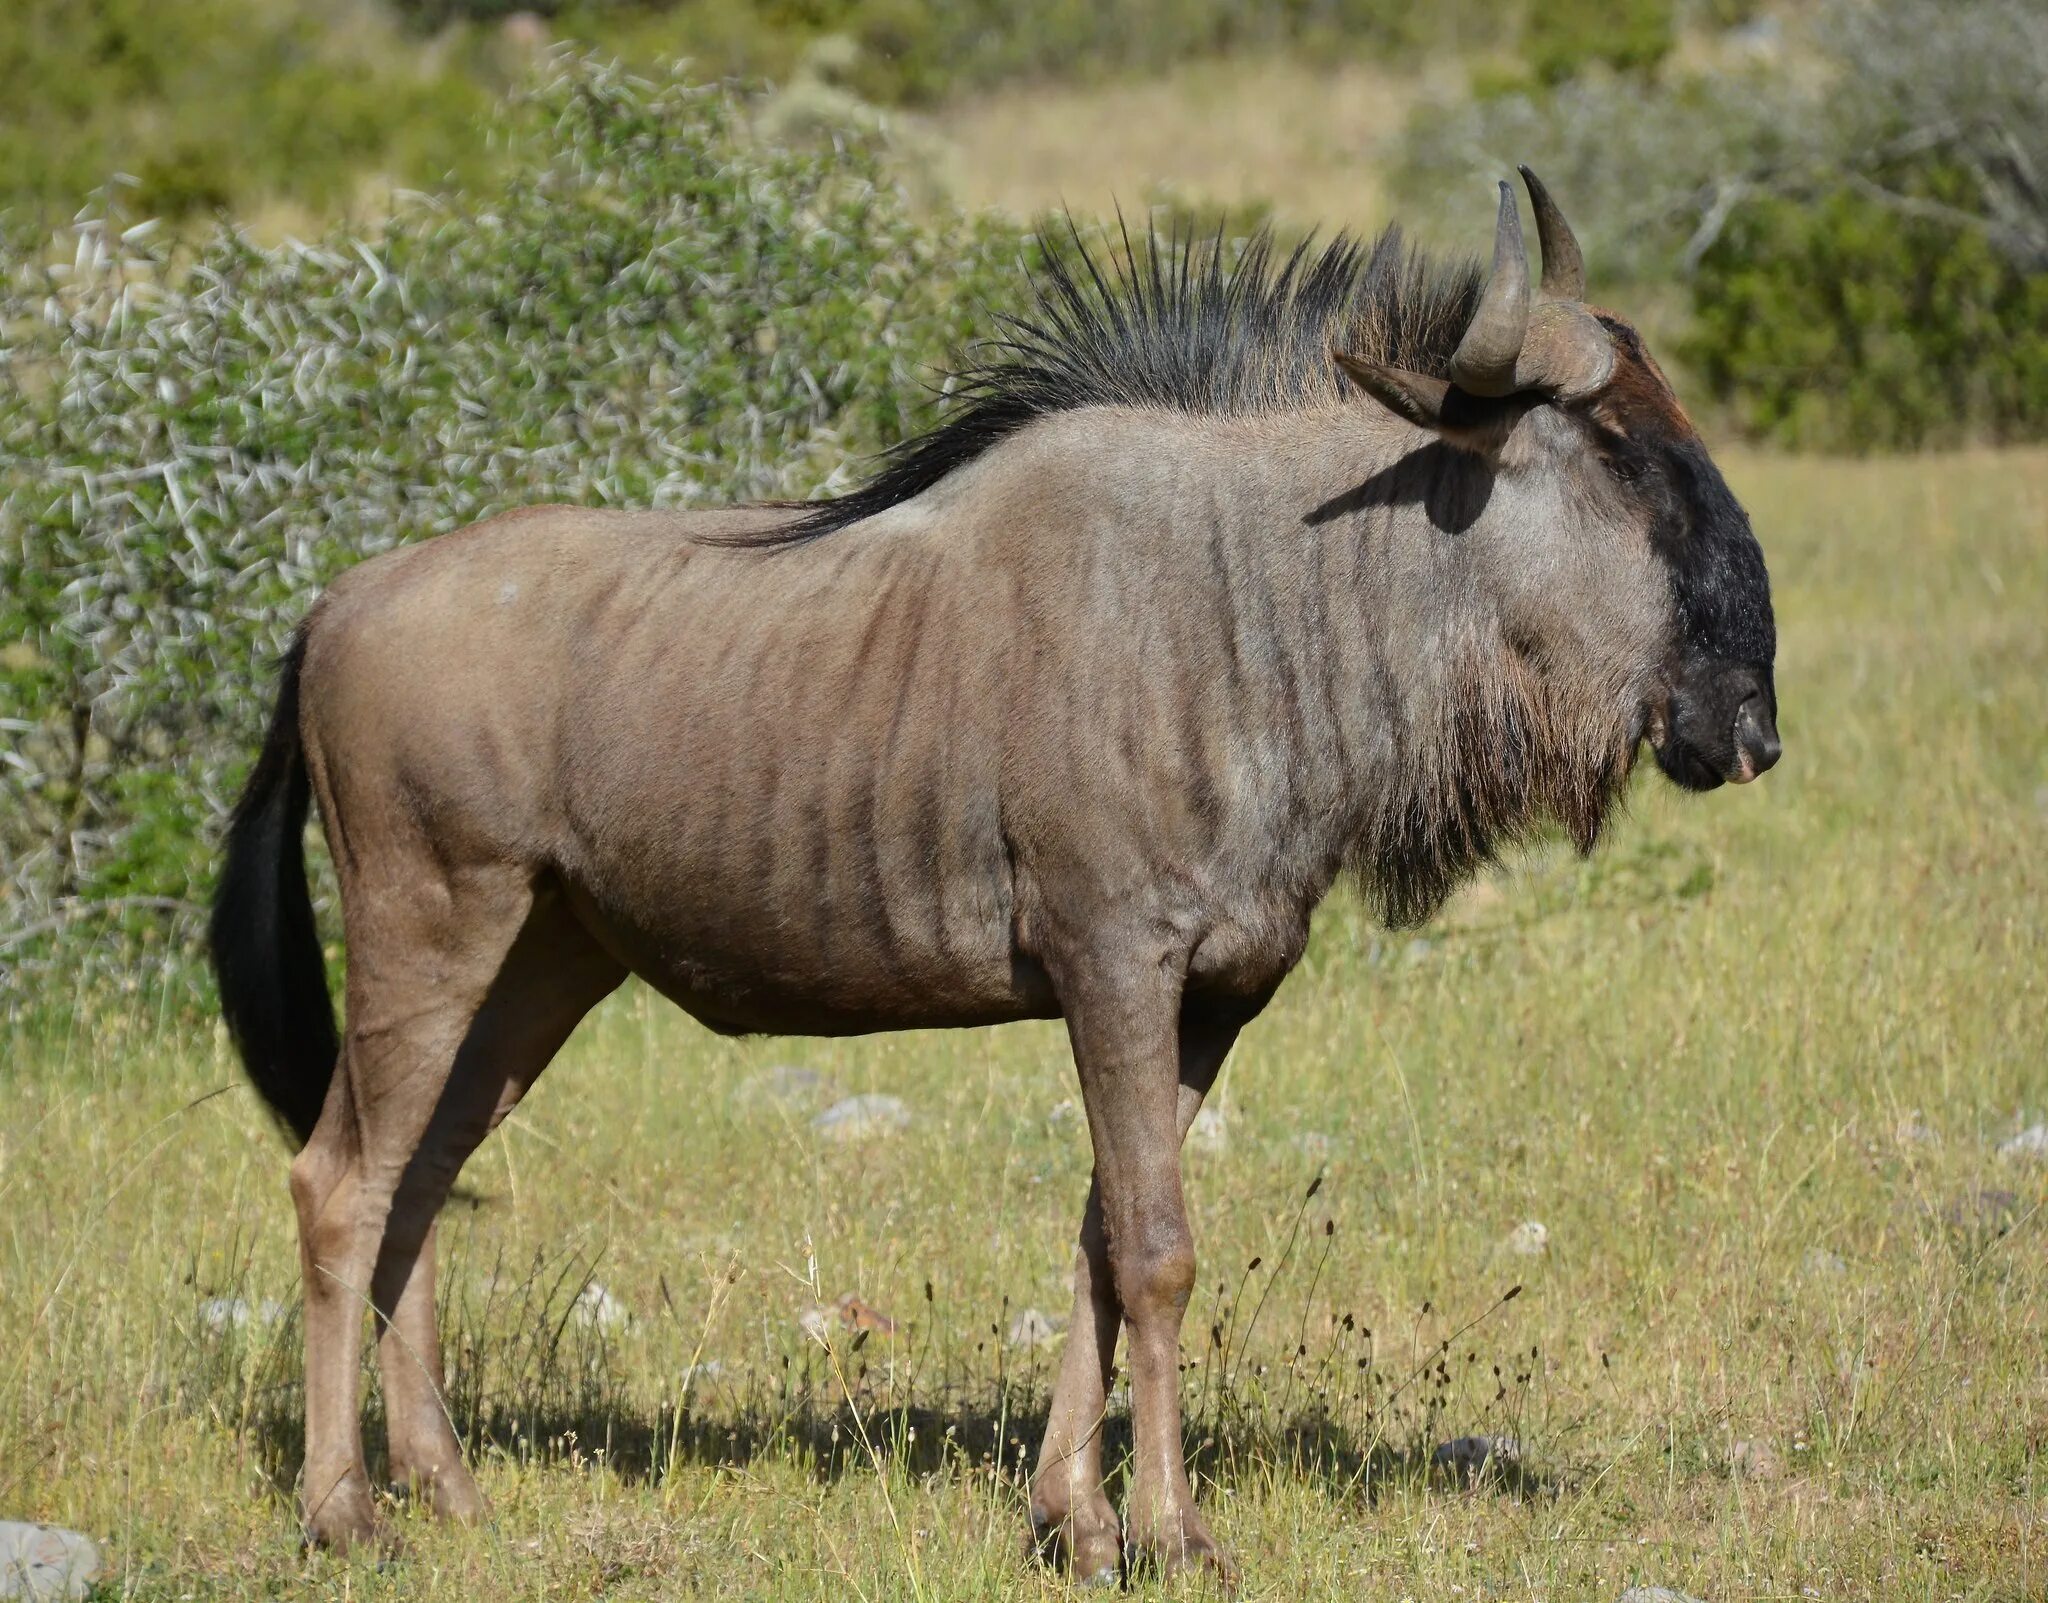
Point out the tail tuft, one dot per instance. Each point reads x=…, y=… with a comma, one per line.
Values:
x=263, y=939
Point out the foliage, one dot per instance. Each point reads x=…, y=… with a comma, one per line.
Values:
x=656, y=311
x=242, y=103
x=1855, y=215
x=1561, y=38
x=213, y=103
x=1842, y=324
x=915, y=50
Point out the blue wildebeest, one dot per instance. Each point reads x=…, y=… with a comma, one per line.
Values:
x=1218, y=581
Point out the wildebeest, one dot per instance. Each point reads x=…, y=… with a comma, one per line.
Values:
x=1220, y=579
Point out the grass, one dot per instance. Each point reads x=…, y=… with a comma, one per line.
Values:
x=1749, y=1068
x=1247, y=135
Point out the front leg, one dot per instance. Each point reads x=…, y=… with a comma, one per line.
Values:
x=1123, y=1010
x=1071, y=1515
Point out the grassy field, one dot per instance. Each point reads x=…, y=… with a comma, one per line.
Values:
x=1749, y=1069
x=1244, y=134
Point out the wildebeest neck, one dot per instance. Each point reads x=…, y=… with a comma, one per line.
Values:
x=1321, y=641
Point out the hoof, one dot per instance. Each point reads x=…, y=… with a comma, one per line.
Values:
x=354, y=1539
x=449, y=1495
x=345, y=1521
x=1187, y=1553
x=1085, y=1542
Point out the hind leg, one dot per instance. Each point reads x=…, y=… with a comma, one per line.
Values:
x=426, y=942
x=554, y=974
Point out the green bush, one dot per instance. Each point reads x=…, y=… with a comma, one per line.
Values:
x=1562, y=38
x=208, y=104
x=913, y=51
x=1858, y=222
x=1846, y=323
x=655, y=311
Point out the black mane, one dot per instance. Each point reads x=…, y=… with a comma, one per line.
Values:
x=1178, y=325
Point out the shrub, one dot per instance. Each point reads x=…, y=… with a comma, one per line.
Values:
x=1562, y=38
x=1844, y=323
x=1861, y=224
x=655, y=311
x=216, y=103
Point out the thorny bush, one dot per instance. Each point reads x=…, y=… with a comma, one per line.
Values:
x=654, y=310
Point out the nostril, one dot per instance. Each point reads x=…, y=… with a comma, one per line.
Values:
x=1757, y=735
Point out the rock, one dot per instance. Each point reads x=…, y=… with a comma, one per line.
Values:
x=1210, y=1132
x=1751, y=1460
x=599, y=1309
x=1913, y=1130
x=219, y=1314
x=1313, y=1145
x=1031, y=1328
x=222, y=1314
x=1819, y=1262
x=857, y=1315
x=1468, y=1457
x=1984, y=1211
x=2031, y=1144
x=45, y=1561
x=1529, y=1239
x=858, y=1118
x=1655, y=1594
x=850, y=1313
x=785, y=1082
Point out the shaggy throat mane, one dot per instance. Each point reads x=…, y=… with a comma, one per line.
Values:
x=1195, y=326
x=1506, y=753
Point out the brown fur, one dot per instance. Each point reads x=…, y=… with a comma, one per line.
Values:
x=1638, y=398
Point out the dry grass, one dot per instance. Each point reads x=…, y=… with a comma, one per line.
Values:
x=1749, y=1067
x=1241, y=133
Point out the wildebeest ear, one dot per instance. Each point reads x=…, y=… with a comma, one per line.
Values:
x=1470, y=422
x=1415, y=396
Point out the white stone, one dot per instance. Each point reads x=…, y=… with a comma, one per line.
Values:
x=1753, y=1461
x=1210, y=1132
x=1031, y=1328
x=45, y=1562
x=1469, y=1456
x=1655, y=1594
x=785, y=1082
x=2032, y=1142
x=221, y=1314
x=599, y=1309
x=1529, y=1239
x=859, y=1117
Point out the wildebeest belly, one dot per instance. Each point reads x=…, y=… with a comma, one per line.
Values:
x=816, y=932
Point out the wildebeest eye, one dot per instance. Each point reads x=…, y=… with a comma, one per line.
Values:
x=1628, y=468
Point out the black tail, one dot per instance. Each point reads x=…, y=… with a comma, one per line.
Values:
x=265, y=945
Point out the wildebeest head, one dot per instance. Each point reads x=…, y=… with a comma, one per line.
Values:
x=1543, y=385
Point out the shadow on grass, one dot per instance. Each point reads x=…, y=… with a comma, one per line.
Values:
x=811, y=1423
x=535, y=1375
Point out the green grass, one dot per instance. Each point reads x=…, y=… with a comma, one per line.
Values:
x=1694, y=1060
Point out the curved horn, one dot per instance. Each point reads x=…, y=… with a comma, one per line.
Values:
x=1564, y=269
x=1485, y=360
